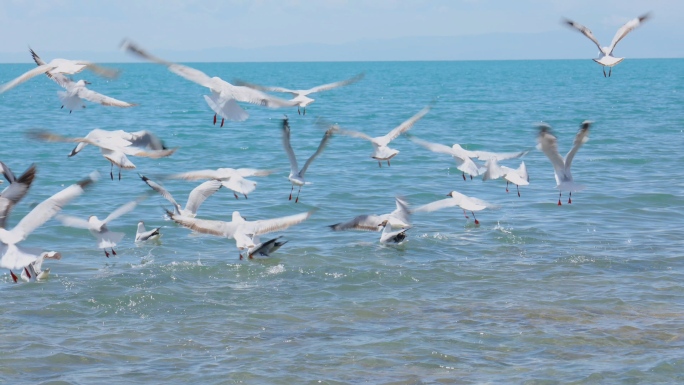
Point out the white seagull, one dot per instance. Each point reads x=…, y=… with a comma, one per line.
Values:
x=302, y=96
x=605, y=55
x=114, y=145
x=75, y=92
x=224, y=95
x=57, y=67
x=391, y=236
x=197, y=196
x=142, y=235
x=296, y=174
x=517, y=176
x=397, y=219
x=17, y=189
x=98, y=228
x=238, y=228
x=232, y=179
x=381, y=149
x=265, y=249
x=15, y=257
x=34, y=271
x=561, y=166
x=456, y=199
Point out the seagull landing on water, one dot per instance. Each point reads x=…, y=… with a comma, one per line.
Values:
x=34, y=271
x=143, y=235
x=296, y=174
x=455, y=199
x=517, y=176
x=606, y=58
x=75, y=92
x=561, y=166
x=301, y=97
x=381, y=149
x=397, y=219
x=391, y=236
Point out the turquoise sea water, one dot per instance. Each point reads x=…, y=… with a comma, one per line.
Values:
x=588, y=292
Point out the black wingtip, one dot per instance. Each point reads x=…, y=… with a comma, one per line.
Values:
x=28, y=175
x=644, y=17
x=92, y=178
x=585, y=125
x=143, y=177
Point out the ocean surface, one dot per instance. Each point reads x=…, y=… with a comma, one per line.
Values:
x=583, y=293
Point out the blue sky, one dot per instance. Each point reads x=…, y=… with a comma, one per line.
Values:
x=184, y=27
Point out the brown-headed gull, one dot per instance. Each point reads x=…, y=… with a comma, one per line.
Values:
x=17, y=189
x=59, y=66
x=381, y=149
x=296, y=174
x=605, y=54
x=561, y=166
x=517, y=176
x=397, y=219
x=114, y=145
x=34, y=272
x=231, y=178
x=455, y=199
x=243, y=231
x=77, y=91
x=197, y=196
x=143, y=235
x=17, y=257
x=98, y=228
x=301, y=97
x=224, y=95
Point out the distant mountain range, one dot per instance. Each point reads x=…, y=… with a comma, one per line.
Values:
x=644, y=43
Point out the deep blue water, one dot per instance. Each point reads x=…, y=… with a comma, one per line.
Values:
x=588, y=292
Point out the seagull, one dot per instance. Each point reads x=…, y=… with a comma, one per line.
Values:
x=397, y=219
x=34, y=272
x=76, y=91
x=561, y=166
x=296, y=175
x=302, y=96
x=142, y=235
x=517, y=176
x=224, y=95
x=14, y=256
x=456, y=199
x=605, y=55
x=265, y=249
x=381, y=149
x=238, y=228
x=59, y=67
x=114, y=145
x=232, y=179
x=98, y=228
x=391, y=236
x=197, y=196
x=17, y=189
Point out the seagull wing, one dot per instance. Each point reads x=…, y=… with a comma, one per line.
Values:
x=271, y=225
x=95, y=97
x=402, y=212
x=438, y=205
x=26, y=76
x=226, y=107
x=549, y=145
x=205, y=226
x=321, y=146
x=70, y=221
x=625, y=29
x=199, y=175
x=145, y=139
x=99, y=70
x=194, y=75
x=486, y=155
x=581, y=138
x=585, y=31
x=258, y=87
x=294, y=168
x=48, y=208
x=17, y=189
x=330, y=86
x=57, y=77
x=161, y=190
x=200, y=193
x=434, y=147
x=247, y=172
x=133, y=48
x=405, y=126
x=121, y=211
x=354, y=134
x=361, y=222
x=252, y=96
x=494, y=170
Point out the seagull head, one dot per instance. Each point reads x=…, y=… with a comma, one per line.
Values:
x=586, y=124
x=51, y=255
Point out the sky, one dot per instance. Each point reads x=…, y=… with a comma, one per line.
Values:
x=280, y=30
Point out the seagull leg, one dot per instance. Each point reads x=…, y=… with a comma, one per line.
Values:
x=610, y=71
x=304, y=113
x=14, y=277
x=388, y=164
x=465, y=214
x=61, y=107
x=379, y=164
x=106, y=253
x=245, y=195
x=298, y=112
x=113, y=252
x=111, y=171
x=463, y=175
x=559, y=197
x=570, y=198
x=477, y=223
x=119, y=173
x=518, y=188
x=222, y=121
x=240, y=255
x=235, y=195
x=604, y=72
x=471, y=176
x=292, y=189
x=214, y=119
x=300, y=190
x=27, y=273
x=506, y=186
